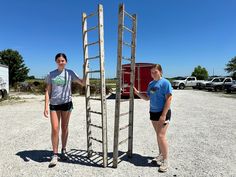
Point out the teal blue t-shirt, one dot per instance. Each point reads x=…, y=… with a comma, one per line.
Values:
x=157, y=91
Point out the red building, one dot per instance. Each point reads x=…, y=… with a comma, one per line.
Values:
x=142, y=77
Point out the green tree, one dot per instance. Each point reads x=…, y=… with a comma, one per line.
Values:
x=231, y=67
x=200, y=73
x=18, y=72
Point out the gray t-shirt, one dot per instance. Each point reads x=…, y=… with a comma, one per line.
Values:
x=61, y=85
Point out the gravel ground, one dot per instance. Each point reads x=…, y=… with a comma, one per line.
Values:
x=201, y=136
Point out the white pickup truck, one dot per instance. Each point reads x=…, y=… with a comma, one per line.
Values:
x=182, y=82
x=4, y=81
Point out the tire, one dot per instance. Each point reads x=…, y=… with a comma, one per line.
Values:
x=174, y=87
x=4, y=94
x=216, y=89
x=181, y=86
x=1, y=94
x=228, y=91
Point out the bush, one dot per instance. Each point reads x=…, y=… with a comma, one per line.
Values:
x=38, y=87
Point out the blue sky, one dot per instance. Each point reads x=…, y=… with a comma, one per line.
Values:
x=178, y=34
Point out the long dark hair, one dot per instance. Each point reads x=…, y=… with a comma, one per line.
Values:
x=60, y=55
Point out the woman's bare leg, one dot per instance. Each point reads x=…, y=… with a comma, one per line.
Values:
x=154, y=123
x=55, y=122
x=64, y=127
x=161, y=138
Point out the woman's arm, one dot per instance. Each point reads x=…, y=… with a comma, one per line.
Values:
x=81, y=81
x=166, y=107
x=142, y=96
x=47, y=93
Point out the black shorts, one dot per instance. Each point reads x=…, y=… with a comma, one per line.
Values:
x=155, y=116
x=62, y=107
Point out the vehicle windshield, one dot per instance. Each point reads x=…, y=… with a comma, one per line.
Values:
x=180, y=78
x=209, y=79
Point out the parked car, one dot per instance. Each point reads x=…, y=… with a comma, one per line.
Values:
x=4, y=81
x=200, y=85
x=230, y=87
x=218, y=83
x=182, y=82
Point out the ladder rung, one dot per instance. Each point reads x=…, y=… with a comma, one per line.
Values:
x=90, y=29
x=127, y=44
x=124, y=127
x=93, y=43
x=92, y=14
x=95, y=139
x=97, y=126
x=94, y=71
x=128, y=29
x=91, y=85
x=123, y=114
x=124, y=100
x=93, y=98
x=90, y=58
x=123, y=141
x=126, y=72
x=125, y=58
x=126, y=86
x=95, y=112
x=122, y=155
x=126, y=13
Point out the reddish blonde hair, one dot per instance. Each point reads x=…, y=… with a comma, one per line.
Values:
x=158, y=67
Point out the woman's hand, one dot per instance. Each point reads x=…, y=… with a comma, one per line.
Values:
x=162, y=120
x=142, y=96
x=135, y=90
x=45, y=112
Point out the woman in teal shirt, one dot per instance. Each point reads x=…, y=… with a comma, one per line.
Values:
x=159, y=92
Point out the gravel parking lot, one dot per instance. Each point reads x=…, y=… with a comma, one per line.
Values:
x=202, y=139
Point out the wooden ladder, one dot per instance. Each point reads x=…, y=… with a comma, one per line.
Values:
x=102, y=87
x=119, y=86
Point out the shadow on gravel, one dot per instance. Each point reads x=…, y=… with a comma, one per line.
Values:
x=80, y=157
x=35, y=155
x=96, y=160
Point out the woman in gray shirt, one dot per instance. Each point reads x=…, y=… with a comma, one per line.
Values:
x=58, y=99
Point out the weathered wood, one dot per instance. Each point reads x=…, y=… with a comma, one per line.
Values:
x=118, y=85
x=132, y=80
x=102, y=84
x=126, y=28
x=91, y=29
x=87, y=90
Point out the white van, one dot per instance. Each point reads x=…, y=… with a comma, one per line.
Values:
x=4, y=81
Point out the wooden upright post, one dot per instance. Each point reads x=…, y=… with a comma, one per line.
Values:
x=132, y=80
x=87, y=85
x=102, y=84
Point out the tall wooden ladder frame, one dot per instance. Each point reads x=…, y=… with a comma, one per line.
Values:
x=87, y=72
x=119, y=86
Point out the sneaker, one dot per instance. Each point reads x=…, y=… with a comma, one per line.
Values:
x=64, y=155
x=164, y=166
x=158, y=160
x=53, y=161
